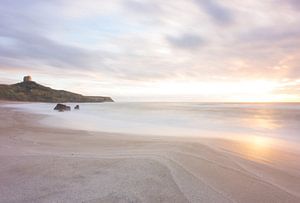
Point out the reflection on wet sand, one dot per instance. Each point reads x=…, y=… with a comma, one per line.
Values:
x=274, y=152
x=257, y=147
x=267, y=159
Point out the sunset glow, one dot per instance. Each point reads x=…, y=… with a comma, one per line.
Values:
x=132, y=50
x=150, y=101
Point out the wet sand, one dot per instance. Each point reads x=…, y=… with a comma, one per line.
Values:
x=43, y=164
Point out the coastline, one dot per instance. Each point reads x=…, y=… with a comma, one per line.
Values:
x=40, y=163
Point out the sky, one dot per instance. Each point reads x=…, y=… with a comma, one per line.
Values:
x=155, y=50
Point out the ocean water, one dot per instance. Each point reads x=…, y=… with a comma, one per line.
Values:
x=276, y=120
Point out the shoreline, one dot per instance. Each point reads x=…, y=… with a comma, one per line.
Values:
x=53, y=119
x=40, y=163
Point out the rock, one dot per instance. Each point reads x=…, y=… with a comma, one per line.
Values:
x=76, y=107
x=62, y=107
x=31, y=91
x=27, y=78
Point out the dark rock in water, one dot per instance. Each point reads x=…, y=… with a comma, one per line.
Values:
x=76, y=107
x=62, y=107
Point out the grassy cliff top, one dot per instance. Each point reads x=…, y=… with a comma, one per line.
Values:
x=33, y=92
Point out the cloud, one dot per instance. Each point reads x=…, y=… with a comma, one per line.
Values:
x=186, y=41
x=47, y=51
x=142, y=6
x=268, y=34
x=134, y=42
x=295, y=4
x=26, y=41
x=219, y=13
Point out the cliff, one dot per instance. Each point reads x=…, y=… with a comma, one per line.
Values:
x=33, y=92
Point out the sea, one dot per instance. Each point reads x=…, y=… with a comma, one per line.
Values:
x=191, y=119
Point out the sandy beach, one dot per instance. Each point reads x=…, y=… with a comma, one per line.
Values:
x=43, y=164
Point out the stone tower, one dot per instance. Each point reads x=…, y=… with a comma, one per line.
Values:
x=27, y=78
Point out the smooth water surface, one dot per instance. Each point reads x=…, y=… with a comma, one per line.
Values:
x=280, y=120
